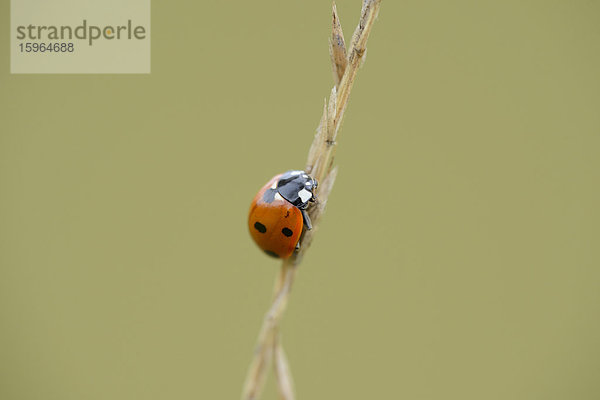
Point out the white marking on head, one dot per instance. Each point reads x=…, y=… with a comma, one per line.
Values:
x=295, y=173
x=274, y=185
x=305, y=195
x=277, y=196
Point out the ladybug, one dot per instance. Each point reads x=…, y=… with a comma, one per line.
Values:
x=278, y=213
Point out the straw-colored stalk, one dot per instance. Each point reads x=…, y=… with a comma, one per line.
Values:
x=320, y=166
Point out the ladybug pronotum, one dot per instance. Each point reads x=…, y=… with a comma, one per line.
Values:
x=278, y=212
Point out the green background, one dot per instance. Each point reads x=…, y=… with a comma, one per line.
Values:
x=458, y=258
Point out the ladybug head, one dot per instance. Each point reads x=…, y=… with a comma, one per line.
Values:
x=310, y=185
x=298, y=188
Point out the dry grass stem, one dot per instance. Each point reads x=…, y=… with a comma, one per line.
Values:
x=337, y=48
x=282, y=371
x=320, y=166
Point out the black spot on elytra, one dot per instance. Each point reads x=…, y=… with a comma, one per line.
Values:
x=287, y=232
x=271, y=253
x=269, y=195
x=260, y=227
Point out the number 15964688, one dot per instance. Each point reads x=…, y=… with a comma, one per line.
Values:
x=46, y=48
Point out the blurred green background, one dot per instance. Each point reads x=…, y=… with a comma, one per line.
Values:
x=459, y=256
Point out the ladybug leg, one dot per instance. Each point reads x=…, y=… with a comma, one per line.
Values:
x=306, y=219
x=298, y=245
